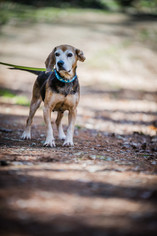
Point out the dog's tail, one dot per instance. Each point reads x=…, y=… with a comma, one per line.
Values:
x=33, y=70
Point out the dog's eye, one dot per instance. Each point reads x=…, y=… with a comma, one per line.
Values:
x=57, y=54
x=69, y=54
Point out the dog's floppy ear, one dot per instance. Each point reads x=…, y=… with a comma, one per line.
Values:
x=80, y=55
x=50, y=61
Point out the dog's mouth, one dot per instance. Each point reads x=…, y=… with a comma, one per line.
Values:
x=65, y=74
x=62, y=69
x=65, y=71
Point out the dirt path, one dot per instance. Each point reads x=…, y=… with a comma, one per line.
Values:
x=106, y=184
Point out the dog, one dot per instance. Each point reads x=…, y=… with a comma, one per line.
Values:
x=59, y=90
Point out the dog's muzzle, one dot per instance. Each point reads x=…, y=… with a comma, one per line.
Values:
x=60, y=65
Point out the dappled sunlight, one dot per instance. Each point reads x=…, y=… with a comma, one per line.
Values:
x=106, y=183
x=71, y=192
x=117, y=115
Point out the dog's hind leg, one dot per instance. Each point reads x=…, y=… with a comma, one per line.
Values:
x=35, y=103
x=61, y=134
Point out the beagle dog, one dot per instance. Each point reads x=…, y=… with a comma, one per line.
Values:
x=59, y=89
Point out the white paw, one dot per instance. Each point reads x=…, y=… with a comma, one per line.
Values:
x=49, y=144
x=62, y=136
x=26, y=135
x=68, y=143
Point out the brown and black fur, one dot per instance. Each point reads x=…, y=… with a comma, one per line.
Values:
x=57, y=96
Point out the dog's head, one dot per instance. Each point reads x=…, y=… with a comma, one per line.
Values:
x=64, y=58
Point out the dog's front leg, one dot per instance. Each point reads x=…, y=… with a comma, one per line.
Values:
x=71, y=118
x=59, y=125
x=49, y=132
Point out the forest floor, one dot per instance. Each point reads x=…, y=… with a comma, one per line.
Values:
x=107, y=183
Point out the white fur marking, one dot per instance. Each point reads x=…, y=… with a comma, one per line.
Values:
x=49, y=139
x=61, y=133
x=26, y=134
x=68, y=61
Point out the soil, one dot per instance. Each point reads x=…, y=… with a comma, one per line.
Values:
x=107, y=183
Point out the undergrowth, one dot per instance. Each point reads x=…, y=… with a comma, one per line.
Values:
x=15, y=99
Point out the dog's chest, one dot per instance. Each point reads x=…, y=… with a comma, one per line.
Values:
x=62, y=96
x=63, y=88
x=62, y=103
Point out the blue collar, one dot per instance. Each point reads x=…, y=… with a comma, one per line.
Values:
x=62, y=80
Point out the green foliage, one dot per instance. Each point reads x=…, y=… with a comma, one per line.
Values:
x=147, y=6
x=142, y=6
x=15, y=99
x=6, y=93
x=21, y=100
x=96, y=4
x=51, y=11
x=10, y=11
x=17, y=13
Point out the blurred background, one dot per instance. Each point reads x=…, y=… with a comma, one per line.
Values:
x=119, y=39
x=106, y=183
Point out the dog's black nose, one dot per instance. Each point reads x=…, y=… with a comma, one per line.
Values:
x=60, y=64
